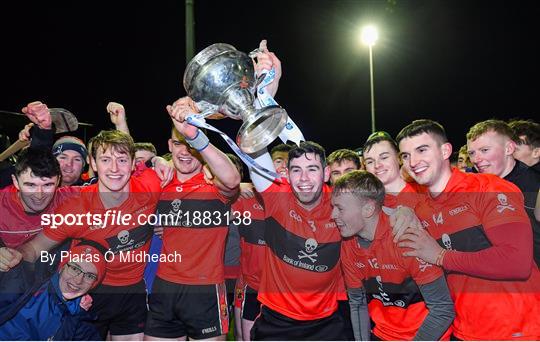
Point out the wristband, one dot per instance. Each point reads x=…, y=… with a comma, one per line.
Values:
x=200, y=142
x=440, y=257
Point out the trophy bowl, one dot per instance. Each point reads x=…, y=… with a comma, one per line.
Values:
x=221, y=79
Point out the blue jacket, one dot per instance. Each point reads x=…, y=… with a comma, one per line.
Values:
x=43, y=314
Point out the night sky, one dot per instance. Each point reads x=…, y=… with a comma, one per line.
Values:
x=457, y=62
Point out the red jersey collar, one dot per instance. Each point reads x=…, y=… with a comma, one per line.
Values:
x=195, y=179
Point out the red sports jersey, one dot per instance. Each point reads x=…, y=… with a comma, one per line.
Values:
x=18, y=226
x=301, y=274
x=127, y=243
x=200, y=217
x=391, y=282
x=252, y=243
x=458, y=218
x=409, y=196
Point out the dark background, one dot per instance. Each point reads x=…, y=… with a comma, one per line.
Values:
x=457, y=62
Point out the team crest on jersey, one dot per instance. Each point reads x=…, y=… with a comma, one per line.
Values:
x=447, y=242
x=176, y=204
x=123, y=237
x=503, y=200
x=309, y=253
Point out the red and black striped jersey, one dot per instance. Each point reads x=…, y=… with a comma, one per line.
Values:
x=390, y=280
x=252, y=243
x=301, y=275
x=196, y=228
x=458, y=218
x=121, y=238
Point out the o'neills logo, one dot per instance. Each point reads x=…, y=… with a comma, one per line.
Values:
x=458, y=210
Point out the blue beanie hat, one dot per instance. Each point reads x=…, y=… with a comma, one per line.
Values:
x=70, y=143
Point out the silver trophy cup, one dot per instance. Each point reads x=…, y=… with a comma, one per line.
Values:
x=221, y=79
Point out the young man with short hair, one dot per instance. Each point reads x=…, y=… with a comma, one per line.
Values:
x=341, y=162
x=188, y=298
x=463, y=160
x=120, y=302
x=478, y=232
x=491, y=146
x=34, y=192
x=300, y=280
x=381, y=157
x=280, y=157
x=408, y=298
x=71, y=154
x=527, y=143
x=144, y=151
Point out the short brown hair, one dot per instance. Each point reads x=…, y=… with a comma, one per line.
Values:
x=529, y=129
x=338, y=156
x=362, y=184
x=145, y=146
x=418, y=127
x=378, y=137
x=491, y=125
x=116, y=140
x=306, y=147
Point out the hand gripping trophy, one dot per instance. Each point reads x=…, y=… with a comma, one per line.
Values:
x=221, y=79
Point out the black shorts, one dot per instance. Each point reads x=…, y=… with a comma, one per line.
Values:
x=344, y=310
x=195, y=311
x=120, y=310
x=251, y=307
x=271, y=325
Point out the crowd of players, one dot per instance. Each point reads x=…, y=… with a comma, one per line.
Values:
x=405, y=240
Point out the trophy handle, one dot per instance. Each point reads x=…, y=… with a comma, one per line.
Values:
x=209, y=111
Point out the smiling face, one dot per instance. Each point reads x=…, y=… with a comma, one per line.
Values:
x=426, y=160
x=307, y=176
x=114, y=169
x=382, y=161
x=185, y=163
x=36, y=193
x=73, y=283
x=347, y=213
x=280, y=160
x=71, y=165
x=491, y=153
x=338, y=169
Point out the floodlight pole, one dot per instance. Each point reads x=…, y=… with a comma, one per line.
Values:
x=372, y=89
x=190, y=30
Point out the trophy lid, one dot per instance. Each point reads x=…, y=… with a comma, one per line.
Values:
x=202, y=58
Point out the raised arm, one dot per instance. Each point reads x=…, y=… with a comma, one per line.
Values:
x=118, y=116
x=217, y=161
